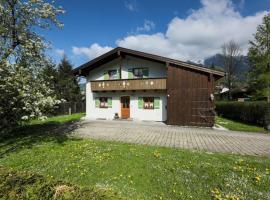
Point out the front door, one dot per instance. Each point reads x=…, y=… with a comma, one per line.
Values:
x=125, y=108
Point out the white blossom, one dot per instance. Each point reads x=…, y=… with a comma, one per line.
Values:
x=25, y=117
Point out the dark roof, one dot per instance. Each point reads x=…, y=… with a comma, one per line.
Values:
x=120, y=51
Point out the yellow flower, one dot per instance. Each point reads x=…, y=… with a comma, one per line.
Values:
x=258, y=178
x=157, y=154
x=233, y=197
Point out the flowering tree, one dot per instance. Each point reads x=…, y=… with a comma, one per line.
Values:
x=24, y=93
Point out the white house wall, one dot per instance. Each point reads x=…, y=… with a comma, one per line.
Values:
x=159, y=114
x=156, y=70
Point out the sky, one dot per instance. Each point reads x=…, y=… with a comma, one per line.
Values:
x=181, y=29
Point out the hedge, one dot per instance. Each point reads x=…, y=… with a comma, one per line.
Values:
x=249, y=112
x=22, y=185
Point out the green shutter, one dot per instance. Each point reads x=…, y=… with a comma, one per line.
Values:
x=97, y=102
x=106, y=75
x=109, y=102
x=156, y=102
x=140, y=102
x=145, y=73
x=130, y=73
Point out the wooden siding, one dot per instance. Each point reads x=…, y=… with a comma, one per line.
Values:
x=129, y=84
x=189, y=97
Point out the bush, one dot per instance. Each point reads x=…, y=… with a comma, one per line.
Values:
x=249, y=112
x=18, y=185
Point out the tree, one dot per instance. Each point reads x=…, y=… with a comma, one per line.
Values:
x=68, y=85
x=22, y=96
x=231, y=56
x=24, y=92
x=18, y=21
x=259, y=57
x=50, y=75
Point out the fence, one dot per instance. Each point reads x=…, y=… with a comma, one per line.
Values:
x=70, y=108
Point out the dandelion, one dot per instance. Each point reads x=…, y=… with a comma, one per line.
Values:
x=258, y=178
x=157, y=154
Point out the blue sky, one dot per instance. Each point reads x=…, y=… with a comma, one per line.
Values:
x=182, y=29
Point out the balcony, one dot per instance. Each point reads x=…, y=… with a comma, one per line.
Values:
x=129, y=84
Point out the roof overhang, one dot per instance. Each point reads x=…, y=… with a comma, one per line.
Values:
x=84, y=69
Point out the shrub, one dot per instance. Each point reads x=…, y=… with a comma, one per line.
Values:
x=249, y=112
x=18, y=185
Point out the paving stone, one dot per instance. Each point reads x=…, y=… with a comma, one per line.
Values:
x=159, y=134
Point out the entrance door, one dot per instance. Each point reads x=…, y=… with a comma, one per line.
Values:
x=125, y=108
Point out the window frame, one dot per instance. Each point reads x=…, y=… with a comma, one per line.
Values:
x=148, y=101
x=139, y=68
x=100, y=102
x=116, y=74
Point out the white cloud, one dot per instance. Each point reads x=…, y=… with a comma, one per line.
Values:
x=91, y=52
x=147, y=26
x=198, y=35
x=60, y=52
x=131, y=5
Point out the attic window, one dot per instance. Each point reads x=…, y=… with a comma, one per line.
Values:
x=113, y=74
x=140, y=72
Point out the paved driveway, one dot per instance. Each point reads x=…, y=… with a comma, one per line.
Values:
x=155, y=133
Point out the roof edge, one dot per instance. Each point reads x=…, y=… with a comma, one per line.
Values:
x=118, y=50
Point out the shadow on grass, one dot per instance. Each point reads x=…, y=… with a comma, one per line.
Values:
x=29, y=135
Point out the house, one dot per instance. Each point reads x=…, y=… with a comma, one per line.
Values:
x=135, y=85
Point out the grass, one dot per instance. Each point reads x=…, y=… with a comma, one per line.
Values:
x=239, y=126
x=59, y=119
x=134, y=171
x=23, y=185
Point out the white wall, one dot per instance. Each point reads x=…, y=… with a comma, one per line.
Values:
x=149, y=114
x=156, y=70
x=135, y=113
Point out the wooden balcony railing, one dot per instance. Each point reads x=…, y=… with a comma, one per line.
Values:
x=129, y=84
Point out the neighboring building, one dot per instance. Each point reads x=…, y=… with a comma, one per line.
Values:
x=141, y=86
x=237, y=94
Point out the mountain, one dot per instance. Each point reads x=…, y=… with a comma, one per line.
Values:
x=241, y=70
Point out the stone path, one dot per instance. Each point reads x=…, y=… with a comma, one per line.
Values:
x=159, y=134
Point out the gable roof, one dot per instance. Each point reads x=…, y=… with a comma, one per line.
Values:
x=84, y=69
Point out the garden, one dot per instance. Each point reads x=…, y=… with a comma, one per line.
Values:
x=251, y=116
x=42, y=159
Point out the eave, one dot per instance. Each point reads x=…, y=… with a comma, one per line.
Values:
x=84, y=69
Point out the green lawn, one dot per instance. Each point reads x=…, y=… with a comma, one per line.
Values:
x=59, y=119
x=239, y=126
x=134, y=171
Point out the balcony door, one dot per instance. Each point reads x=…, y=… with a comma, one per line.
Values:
x=125, y=107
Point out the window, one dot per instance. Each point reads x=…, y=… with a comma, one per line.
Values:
x=113, y=74
x=148, y=102
x=140, y=72
x=103, y=102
